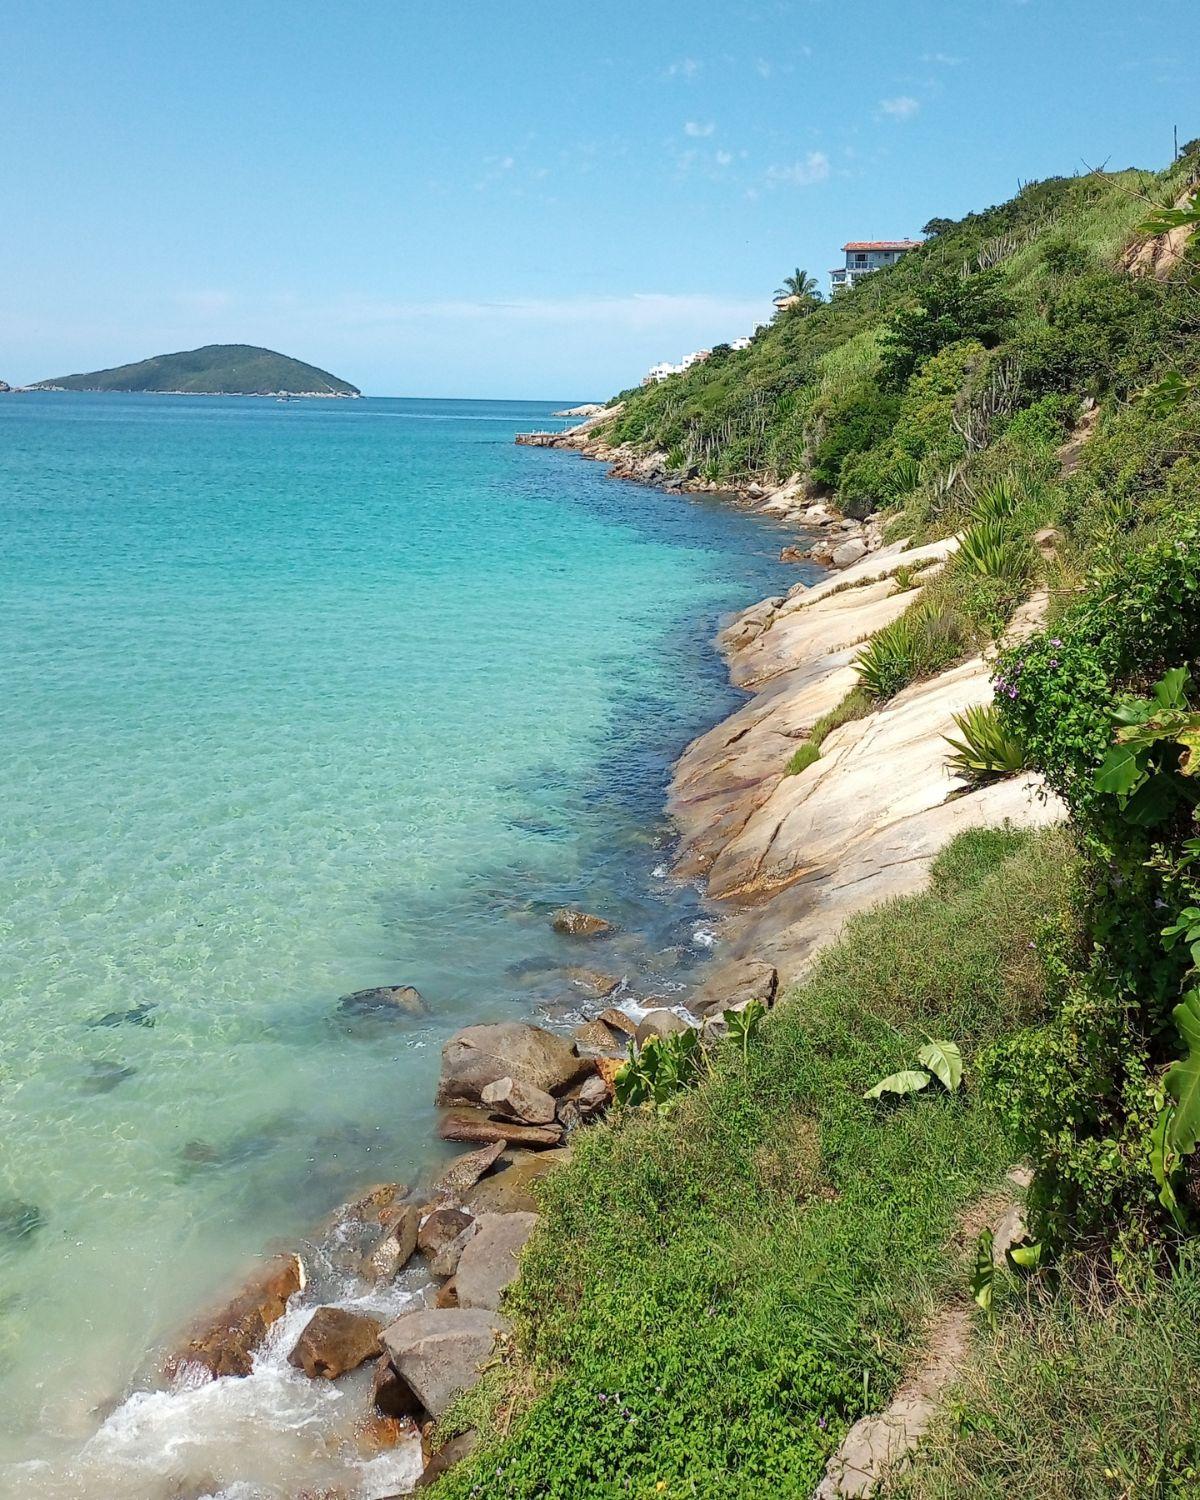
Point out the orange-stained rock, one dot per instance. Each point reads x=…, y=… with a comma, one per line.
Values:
x=225, y=1343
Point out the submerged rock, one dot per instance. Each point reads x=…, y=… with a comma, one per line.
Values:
x=438, y=1351
x=580, y=924
x=387, y=1000
x=594, y=981
x=139, y=1015
x=489, y=1261
x=479, y=1055
x=103, y=1077
x=19, y=1220
x=335, y=1340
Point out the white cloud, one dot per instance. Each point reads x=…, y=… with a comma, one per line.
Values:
x=813, y=168
x=724, y=158
x=699, y=127
x=902, y=107
x=764, y=67
x=944, y=59
x=686, y=67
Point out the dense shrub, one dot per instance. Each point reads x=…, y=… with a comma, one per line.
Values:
x=952, y=307
x=855, y=423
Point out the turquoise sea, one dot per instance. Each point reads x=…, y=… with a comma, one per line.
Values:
x=298, y=698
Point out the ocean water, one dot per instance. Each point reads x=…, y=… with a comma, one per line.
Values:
x=297, y=698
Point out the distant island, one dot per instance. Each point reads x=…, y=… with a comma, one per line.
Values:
x=215, y=370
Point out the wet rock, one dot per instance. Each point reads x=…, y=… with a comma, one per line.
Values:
x=479, y=1055
x=621, y=1023
x=395, y=1249
x=376, y=1433
x=19, y=1221
x=224, y=1344
x=447, y=1294
x=391, y=1396
x=594, y=981
x=378, y=1205
x=388, y=999
x=733, y=985
x=444, y=1262
x=439, y=1228
x=595, y=1037
x=446, y=1457
x=659, y=1023
x=519, y=1101
x=793, y=554
x=509, y=1191
x=473, y=1125
x=581, y=924
x=139, y=1015
x=335, y=1340
x=438, y=1351
x=489, y=1261
x=466, y=1170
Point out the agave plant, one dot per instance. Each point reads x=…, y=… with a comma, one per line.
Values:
x=992, y=549
x=888, y=661
x=986, y=751
x=997, y=501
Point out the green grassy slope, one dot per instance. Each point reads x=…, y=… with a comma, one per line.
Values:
x=216, y=369
x=715, y=1295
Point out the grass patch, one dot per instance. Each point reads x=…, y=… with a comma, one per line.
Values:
x=712, y=1297
x=1087, y=1392
x=854, y=705
x=802, y=758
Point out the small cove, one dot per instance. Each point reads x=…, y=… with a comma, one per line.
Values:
x=301, y=699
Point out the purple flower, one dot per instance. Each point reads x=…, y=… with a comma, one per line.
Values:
x=1056, y=641
x=1012, y=692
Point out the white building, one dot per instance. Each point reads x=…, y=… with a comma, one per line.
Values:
x=865, y=256
x=742, y=343
x=660, y=372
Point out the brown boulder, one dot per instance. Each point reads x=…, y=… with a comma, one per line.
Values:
x=659, y=1023
x=595, y=982
x=395, y=1249
x=466, y=1170
x=444, y=1262
x=580, y=924
x=438, y=1350
x=621, y=1023
x=594, y=1036
x=440, y=1228
x=225, y=1345
x=335, y=1340
x=479, y=1055
x=447, y=1294
x=519, y=1101
x=592, y=1096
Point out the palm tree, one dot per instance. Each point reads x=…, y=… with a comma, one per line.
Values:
x=801, y=286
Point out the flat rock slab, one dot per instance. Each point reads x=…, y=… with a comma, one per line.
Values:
x=489, y=1261
x=473, y=1125
x=386, y=1000
x=509, y=1191
x=438, y=1351
x=479, y=1055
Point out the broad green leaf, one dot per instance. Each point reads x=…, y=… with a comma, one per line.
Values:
x=944, y=1061
x=1182, y=1078
x=1122, y=770
x=1170, y=691
x=1164, y=1161
x=1163, y=220
x=1150, y=804
x=911, y=1081
x=1026, y=1257
x=983, y=1275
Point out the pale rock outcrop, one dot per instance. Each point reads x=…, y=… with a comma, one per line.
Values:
x=438, y=1351
x=489, y=1261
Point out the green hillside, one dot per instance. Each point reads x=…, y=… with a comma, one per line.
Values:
x=215, y=370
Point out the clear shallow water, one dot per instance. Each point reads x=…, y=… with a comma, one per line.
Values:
x=298, y=699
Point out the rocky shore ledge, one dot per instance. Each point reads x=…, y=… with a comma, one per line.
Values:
x=786, y=860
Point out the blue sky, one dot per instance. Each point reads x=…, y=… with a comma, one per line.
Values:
x=532, y=199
